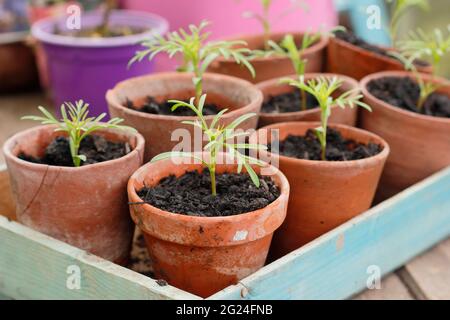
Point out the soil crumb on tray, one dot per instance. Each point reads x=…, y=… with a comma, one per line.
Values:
x=190, y=194
x=338, y=148
x=94, y=147
x=403, y=92
x=164, y=108
x=288, y=102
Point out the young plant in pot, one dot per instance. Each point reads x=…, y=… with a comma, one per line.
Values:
x=269, y=66
x=88, y=59
x=206, y=223
x=351, y=56
x=284, y=103
x=411, y=111
x=142, y=101
x=69, y=179
x=333, y=170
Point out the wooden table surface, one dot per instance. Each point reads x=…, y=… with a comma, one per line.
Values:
x=425, y=277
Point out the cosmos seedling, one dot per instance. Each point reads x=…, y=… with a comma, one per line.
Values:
x=323, y=89
x=429, y=47
x=399, y=8
x=196, y=52
x=76, y=123
x=264, y=18
x=288, y=48
x=218, y=139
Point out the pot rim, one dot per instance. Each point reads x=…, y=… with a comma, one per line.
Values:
x=160, y=26
x=113, y=99
x=275, y=81
x=333, y=164
x=205, y=221
x=389, y=74
x=14, y=140
x=321, y=44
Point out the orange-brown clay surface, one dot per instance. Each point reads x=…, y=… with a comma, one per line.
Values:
x=420, y=144
x=355, y=62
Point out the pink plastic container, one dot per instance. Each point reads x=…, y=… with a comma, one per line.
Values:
x=227, y=16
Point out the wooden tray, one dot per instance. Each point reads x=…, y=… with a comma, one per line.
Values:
x=334, y=266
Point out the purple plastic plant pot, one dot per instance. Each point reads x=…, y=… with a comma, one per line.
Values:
x=85, y=68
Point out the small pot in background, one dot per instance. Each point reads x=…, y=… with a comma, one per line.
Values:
x=273, y=87
x=273, y=66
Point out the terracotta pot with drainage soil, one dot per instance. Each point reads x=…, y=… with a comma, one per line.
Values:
x=353, y=57
x=324, y=194
x=84, y=206
x=419, y=140
x=203, y=243
x=284, y=103
x=274, y=66
x=142, y=102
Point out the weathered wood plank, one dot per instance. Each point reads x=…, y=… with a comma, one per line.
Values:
x=335, y=266
x=35, y=266
x=392, y=288
x=428, y=275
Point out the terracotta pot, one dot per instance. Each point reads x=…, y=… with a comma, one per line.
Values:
x=203, y=255
x=273, y=87
x=272, y=67
x=324, y=194
x=17, y=69
x=239, y=96
x=420, y=144
x=85, y=206
x=353, y=61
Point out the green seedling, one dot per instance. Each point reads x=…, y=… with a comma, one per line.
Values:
x=399, y=8
x=264, y=18
x=428, y=47
x=197, y=53
x=289, y=49
x=76, y=123
x=218, y=140
x=323, y=89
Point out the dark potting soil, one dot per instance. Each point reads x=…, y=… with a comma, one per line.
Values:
x=94, y=147
x=338, y=148
x=288, y=102
x=404, y=92
x=190, y=194
x=164, y=108
x=109, y=32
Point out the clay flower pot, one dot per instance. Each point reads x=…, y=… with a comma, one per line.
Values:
x=272, y=67
x=239, y=96
x=353, y=61
x=420, y=144
x=203, y=255
x=273, y=87
x=324, y=194
x=85, y=206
